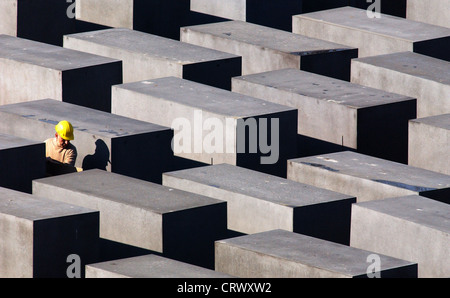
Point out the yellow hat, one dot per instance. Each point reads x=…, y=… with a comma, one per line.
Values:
x=65, y=130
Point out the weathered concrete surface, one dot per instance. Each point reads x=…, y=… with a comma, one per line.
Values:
x=412, y=228
x=263, y=48
x=149, y=266
x=374, y=36
x=372, y=121
x=178, y=224
x=429, y=143
x=116, y=13
x=38, y=235
x=21, y=160
x=283, y=254
x=425, y=78
x=368, y=178
x=259, y=202
x=435, y=12
x=8, y=17
x=31, y=70
x=103, y=140
x=210, y=123
x=147, y=56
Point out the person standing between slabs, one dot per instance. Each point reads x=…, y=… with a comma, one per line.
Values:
x=59, y=149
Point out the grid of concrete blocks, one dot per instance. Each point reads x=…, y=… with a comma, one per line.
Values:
x=225, y=139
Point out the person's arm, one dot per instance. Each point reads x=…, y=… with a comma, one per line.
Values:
x=70, y=157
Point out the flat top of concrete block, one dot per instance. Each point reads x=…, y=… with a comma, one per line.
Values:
x=312, y=251
x=267, y=37
x=10, y=141
x=378, y=170
x=127, y=190
x=315, y=86
x=413, y=64
x=414, y=208
x=30, y=207
x=45, y=55
x=151, y=45
x=357, y=19
x=204, y=97
x=153, y=266
x=258, y=185
x=82, y=118
x=440, y=121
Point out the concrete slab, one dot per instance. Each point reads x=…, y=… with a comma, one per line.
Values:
x=274, y=14
x=40, y=20
x=159, y=17
x=271, y=13
x=31, y=70
x=259, y=202
x=210, y=123
x=412, y=228
x=8, y=17
x=372, y=121
x=374, y=36
x=411, y=74
x=179, y=224
x=116, y=13
x=103, y=140
x=149, y=266
x=368, y=178
x=263, y=48
x=21, y=160
x=429, y=143
x=147, y=56
x=283, y=254
x=435, y=12
x=38, y=235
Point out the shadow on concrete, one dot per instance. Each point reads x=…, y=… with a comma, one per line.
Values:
x=100, y=158
x=111, y=250
x=308, y=146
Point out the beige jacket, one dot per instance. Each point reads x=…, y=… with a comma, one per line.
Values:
x=59, y=154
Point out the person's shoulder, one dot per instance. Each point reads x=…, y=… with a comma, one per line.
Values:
x=72, y=148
